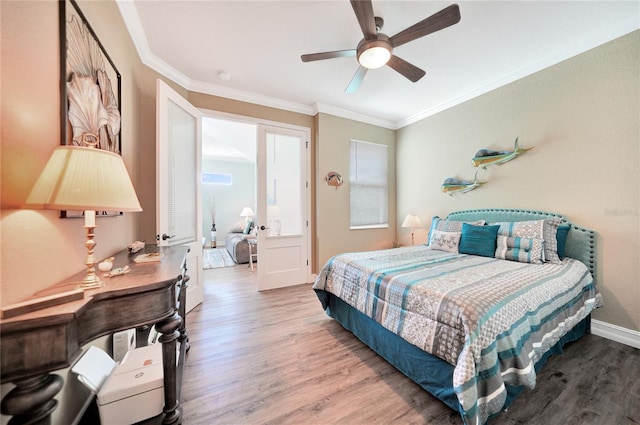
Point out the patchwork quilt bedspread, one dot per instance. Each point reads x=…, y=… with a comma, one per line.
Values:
x=490, y=318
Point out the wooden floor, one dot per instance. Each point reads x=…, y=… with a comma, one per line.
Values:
x=275, y=358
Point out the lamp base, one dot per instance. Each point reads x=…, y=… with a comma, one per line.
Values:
x=91, y=279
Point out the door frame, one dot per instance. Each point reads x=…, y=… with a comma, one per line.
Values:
x=258, y=122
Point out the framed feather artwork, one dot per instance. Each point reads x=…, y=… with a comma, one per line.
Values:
x=90, y=89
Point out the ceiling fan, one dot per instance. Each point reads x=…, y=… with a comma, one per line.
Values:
x=376, y=49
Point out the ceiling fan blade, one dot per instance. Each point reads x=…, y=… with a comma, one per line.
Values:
x=446, y=17
x=411, y=72
x=327, y=55
x=364, y=13
x=356, y=80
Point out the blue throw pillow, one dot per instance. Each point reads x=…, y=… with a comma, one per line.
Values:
x=561, y=237
x=248, y=227
x=478, y=240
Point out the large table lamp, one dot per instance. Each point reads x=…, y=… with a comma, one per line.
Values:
x=412, y=221
x=84, y=179
x=247, y=212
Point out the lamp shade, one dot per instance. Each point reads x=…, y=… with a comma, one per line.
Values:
x=247, y=212
x=84, y=178
x=411, y=221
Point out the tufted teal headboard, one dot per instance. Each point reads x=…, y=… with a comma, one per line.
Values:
x=581, y=242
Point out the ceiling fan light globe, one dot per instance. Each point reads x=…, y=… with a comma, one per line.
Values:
x=374, y=57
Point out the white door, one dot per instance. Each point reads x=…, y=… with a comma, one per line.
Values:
x=283, y=207
x=178, y=158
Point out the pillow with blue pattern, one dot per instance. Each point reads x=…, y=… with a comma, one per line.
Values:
x=545, y=229
x=524, y=250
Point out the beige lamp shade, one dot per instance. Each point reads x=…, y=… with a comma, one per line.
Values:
x=84, y=178
x=411, y=221
x=247, y=212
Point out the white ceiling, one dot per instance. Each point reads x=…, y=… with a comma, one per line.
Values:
x=259, y=43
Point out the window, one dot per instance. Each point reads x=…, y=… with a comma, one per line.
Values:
x=368, y=181
x=216, y=178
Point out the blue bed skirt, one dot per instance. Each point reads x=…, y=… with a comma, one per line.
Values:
x=431, y=373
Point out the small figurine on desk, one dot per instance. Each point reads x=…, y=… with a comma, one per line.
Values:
x=117, y=272
x=136, y=247
x=106, y=265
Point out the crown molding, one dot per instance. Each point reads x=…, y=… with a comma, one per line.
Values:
x=343, y=113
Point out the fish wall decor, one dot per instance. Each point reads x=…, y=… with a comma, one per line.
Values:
x=486, y=157
x=452, y=185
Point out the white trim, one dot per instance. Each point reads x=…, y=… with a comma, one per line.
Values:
x=616, y=333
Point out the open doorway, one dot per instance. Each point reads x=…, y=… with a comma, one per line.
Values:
x=228, y=190
x=256, y=190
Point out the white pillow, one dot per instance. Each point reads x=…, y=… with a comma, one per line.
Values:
x=445, y=241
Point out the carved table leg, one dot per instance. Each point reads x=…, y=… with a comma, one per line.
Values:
x=184, y=337
x=32, y=400
x=169, y=330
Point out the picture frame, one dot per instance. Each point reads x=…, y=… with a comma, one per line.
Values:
x=90, y=89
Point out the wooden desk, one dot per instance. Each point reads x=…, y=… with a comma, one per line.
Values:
x=35, y=344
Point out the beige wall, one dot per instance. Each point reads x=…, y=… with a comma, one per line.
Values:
x=37, y=248
x=582, y=118
x=332, y=210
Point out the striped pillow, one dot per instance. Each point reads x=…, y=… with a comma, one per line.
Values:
x=524, y=250
x=537, y=229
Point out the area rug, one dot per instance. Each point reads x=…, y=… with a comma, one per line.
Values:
x=215, y=258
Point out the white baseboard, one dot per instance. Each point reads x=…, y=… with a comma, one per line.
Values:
x=616, y=333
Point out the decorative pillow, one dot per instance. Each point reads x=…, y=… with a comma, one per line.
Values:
x=445, y=241
x=536, y=229
x=561, y=238
x=550, y=241
x=478, y=240
x=248, y=227
x=524, y=250
x=445, y=225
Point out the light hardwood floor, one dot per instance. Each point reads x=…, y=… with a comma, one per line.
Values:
x=275, y=357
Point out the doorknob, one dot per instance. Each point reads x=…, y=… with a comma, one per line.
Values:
x=165, y=237
x=264, y=228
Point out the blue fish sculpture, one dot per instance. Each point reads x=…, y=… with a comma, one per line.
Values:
x=486, y=157
x=452, y=185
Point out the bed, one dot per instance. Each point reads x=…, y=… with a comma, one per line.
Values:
x=468, y=321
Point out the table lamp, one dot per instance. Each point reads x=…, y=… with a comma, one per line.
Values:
x=246, y=213
x=84, y=179
x=412, y=221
